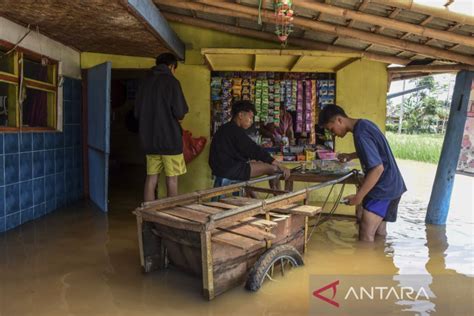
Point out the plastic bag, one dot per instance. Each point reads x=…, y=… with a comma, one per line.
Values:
x=192, y=147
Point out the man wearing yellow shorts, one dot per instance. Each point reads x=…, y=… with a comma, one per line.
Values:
x=160, y=105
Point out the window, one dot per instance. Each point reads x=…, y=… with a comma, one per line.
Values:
x=28, y=90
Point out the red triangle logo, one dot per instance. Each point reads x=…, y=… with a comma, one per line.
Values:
x=332, y=286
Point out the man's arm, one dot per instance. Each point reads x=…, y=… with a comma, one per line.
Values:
x=370, y=181
x=248, y=148
x=347, y=157
x=179, y=107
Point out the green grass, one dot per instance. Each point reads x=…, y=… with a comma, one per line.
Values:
x=421, y=147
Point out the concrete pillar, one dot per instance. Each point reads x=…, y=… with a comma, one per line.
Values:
x=438, y=206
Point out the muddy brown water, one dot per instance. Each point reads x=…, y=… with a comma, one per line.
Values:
x=78, y=261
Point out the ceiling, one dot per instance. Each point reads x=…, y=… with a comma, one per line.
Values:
x=115, y=27
x=388, y=31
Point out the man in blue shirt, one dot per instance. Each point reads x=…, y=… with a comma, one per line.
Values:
x=383, y=184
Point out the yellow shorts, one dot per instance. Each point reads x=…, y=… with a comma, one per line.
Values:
x=173, y=165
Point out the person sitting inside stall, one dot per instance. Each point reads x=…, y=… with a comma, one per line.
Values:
x=383, y=184
x=234, y=157
x=283, y=129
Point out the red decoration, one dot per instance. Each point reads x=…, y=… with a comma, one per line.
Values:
x=283, y=16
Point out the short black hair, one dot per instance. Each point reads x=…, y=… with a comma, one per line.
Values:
x=167, y=59
x=329, y=112
x=242, y=106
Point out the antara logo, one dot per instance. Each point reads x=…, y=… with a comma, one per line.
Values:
x=371, y=293
x=332, y=286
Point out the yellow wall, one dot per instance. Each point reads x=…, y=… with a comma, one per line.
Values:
x=361, y=90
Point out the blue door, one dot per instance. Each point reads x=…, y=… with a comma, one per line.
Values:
x=98, y=132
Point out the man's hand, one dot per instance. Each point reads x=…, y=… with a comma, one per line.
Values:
x=345, y=157
x=353, y=199
x=279, y=167
x=286, y=172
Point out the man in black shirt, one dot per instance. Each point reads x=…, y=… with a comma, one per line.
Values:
x=160, y=105
x=234, y=156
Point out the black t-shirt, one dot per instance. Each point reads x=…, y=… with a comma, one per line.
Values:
x=231, y=150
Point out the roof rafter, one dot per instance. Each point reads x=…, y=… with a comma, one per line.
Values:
x=304, y=43
x=252, y=12
x=443, y=13
x=385, y=22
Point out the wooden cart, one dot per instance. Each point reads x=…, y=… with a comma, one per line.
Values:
x=226, y=242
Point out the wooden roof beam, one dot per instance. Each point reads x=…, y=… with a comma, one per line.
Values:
x=455, y=26
x=297, y=61
x=428, y=10
x=384, y=21
x=430, y=68
x=427, y=20
x=304, y=43
x=153, y=20
x=363, y=5
x=346, y=63
x=342, y=31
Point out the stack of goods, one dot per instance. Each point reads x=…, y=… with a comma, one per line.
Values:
x=265, y=103
x=308, y=110
x=299, y=107
x=286, y=93
x=277, y=102
x=216, y=84
x=301, y=94
x=294, y=92
x=258, y=100
x=237, y=89
x=221, y=97
x=326, y=92
x=246, y=89
x=314, y=117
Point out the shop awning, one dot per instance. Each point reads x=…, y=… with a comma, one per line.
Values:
x=231, y=59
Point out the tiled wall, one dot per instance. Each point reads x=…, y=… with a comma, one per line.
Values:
x=42, y=171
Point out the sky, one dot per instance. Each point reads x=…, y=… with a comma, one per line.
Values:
x=459, y=6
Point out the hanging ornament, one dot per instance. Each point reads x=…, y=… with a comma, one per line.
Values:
x=283, y=19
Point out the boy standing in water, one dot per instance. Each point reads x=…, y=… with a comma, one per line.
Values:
x=383, y=184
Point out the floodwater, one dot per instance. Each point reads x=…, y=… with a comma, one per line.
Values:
x=78, y=261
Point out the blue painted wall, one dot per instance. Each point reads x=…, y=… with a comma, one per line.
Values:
x=42, y=171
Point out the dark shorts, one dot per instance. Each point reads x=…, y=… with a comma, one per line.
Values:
x=387, y=209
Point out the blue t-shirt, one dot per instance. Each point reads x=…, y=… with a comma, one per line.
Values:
x=373, y=149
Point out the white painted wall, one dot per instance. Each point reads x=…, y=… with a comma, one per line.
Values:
x=38, y=43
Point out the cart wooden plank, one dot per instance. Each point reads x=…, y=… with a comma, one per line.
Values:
x=169, y=220
x=203, y=208
x=307, y=210
x=259, y=222
x=188, y=214
x=240, y=201
x=236, y=240
x=249, y=231
x=220, y=205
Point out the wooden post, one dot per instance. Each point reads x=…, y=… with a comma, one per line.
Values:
x=306, y=227
x=207, y=269
x=438, y=206
x=152, y=250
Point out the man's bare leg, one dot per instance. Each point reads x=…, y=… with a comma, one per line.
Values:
x=258, y=169
x=359, y=212
x=151, y=186
x=382, y=230
x=368, y=226
x=172, y=186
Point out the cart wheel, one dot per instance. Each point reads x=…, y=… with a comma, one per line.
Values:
x=280, y=257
